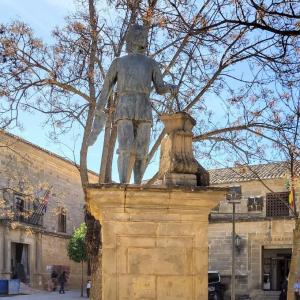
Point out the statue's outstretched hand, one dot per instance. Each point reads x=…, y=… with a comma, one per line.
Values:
x=98, y=124
x=173, y=89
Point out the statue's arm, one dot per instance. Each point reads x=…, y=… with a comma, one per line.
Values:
x=160, y=86
x=100, y=117
x=109, y=82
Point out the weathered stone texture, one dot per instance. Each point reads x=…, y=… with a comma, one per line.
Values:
x=255, y=235
x=42, y=167
x=256, y=232
x=255, y=188
x=47, y=246
x=178, y=165
x=55, y=253
x=154, y=241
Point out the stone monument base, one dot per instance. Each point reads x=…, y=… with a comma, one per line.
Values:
x=171, y=179
x=154, y=240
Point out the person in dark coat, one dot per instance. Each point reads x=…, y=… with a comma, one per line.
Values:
x=62, y=279
x=284, y=286
x=54, y=276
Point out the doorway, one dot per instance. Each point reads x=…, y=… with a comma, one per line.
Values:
x=19, y=262
x=276, y=266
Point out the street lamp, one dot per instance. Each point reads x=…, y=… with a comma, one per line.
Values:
x=234, y=198
x=238, y=242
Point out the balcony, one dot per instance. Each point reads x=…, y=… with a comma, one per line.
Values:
x=34, y=218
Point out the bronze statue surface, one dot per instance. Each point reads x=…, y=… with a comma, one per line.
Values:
x=134, y=74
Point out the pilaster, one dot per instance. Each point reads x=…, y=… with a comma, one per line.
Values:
x=1, y=249
x=6, y=254
x=38, y=260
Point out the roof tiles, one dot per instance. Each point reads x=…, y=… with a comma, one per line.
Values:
x=252, y=172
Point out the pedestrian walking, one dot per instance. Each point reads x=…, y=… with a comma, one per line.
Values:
x=54, y=276
x=62, y=279
x=88, y=288
x=297, y=289
x=284, y=287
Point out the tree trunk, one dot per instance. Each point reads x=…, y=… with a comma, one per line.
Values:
x=96, y=290
x=111, y=150
x=106, y=142
x=81, y=279
x=104, y=152
x=93, y=239
x=295, y=262
x=93, y=244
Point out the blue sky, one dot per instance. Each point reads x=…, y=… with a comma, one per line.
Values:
x=43, y=16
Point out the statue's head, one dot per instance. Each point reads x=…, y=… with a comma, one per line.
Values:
x=136, y=39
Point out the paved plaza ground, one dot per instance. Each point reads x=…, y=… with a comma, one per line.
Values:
x=47, y=296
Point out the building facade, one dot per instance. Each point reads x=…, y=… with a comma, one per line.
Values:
x=264, y=225
x=41, y=203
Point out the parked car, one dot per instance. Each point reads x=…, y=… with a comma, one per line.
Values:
x=215, y=287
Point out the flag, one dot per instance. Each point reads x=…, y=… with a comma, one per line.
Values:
x=46, y=200
x=291, y=198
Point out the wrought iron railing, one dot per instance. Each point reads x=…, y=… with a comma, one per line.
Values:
x=30, y=217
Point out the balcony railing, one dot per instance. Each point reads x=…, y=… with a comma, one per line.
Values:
x=25, y=216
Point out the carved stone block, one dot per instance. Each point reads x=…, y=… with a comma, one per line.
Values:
x=154, y=239
x=180, y=179
x=178, y=165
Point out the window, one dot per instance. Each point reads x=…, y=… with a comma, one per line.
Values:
x=24, y=210
x=6, y=197
x=19, y=207
x=277, y=204
x=235, y=193
x=255, y=203
x=62, y=220
x=19, y=203
x=6, y=205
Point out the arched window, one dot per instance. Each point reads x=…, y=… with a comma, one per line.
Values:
x=62, y=220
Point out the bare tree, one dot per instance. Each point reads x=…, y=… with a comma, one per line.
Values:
x=229, y=59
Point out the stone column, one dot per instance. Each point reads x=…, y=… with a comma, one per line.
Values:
x=1, y=249
x=154, y=240
x=38, y=260
x=6, y=253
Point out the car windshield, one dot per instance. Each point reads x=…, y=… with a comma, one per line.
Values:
x=213, y=277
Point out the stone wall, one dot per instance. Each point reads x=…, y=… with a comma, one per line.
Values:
x=57, y=255
x=154, y=240
x=44, y=250
x=255, y=188
x=37, y=168
x=257, y=232
x=273, y=234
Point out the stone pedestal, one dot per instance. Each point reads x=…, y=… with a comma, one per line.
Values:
x=178, y=165
x=154, y=240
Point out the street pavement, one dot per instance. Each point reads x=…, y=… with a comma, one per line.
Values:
x=47, y=296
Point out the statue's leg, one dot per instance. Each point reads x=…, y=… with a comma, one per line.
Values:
x=142, y=138
x=126, y=142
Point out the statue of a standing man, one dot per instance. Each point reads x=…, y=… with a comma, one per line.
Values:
x=133, y=74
